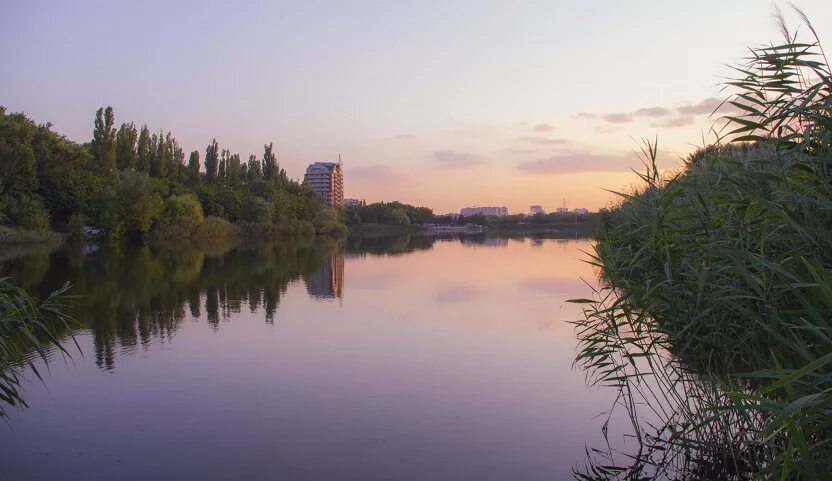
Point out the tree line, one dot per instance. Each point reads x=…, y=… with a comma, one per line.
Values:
x=129, y=181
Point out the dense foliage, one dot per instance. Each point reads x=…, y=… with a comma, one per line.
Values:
x=727, y=265
x=129, y=181
x=388, y=213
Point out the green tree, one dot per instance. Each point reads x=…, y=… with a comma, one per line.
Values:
x=270, y=167
x=182, y=212
x=144, y=152
x=232, y=170
x=126, y=139
x=177, y=156
x=221, y=170
x=162, y=160
x=254, y=170
x=104, y=139
x=193, y=166
x=212, y=159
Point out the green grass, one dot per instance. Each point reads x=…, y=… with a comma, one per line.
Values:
x=10, y=235
x=714, y=314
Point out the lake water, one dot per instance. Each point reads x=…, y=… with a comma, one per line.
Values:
x=403, y=358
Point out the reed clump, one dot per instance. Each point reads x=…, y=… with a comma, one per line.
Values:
x=715, y=310
x=29, y=330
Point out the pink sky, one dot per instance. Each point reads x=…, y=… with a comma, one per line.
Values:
x=443, y=104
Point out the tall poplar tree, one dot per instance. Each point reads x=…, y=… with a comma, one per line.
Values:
x=177, y=156
x=254, y=170
x=193, y=164
x=143, y=151
x=126, y=146
x=221, y=171
x=161, y=161
x=212, y=160
x=270, y=168
x=154, y=154
x=104, y=139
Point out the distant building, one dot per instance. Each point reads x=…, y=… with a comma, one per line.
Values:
x=580, y=211
x=327, y=179
x=486, y=211
x=353, y=202
x=562, y=210
x=536, y=209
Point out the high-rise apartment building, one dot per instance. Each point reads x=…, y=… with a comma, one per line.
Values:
x=327, y=179
x=536, y=209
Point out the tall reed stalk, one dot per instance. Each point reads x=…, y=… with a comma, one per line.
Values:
x=714, y=315
x=28, y=331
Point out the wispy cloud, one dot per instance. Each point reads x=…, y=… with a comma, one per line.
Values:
x=543, y=128
x=575, y=162
x=682, y=121
x=618, y=118
x=375, y=174
x=449, y=159
x=534, y=139
x=404, y=137
x=701, y=108
x=652, y=112
x=684, y=113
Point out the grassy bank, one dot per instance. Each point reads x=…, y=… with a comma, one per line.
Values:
x=715, y=310
x=9, y=235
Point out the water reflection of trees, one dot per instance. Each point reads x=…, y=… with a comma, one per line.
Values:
x=128, y=296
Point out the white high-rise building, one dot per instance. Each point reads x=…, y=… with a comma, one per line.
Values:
x=536, y=209
x=327, y=179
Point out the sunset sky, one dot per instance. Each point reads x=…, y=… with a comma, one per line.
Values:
x=437, y=103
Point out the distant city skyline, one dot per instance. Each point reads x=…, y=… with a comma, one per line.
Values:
x=433, y=103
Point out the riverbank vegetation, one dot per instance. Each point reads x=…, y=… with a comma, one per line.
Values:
x=714, y=315
x=29, y=330
x=392, y=217
x=131, y=182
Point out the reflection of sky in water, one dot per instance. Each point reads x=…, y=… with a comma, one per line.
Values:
x=444, y=363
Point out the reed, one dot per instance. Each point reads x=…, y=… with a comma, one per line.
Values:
x=29, y=331
x=715, y=307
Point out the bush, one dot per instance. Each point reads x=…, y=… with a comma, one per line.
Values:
x=27, y=212
x=215, y=227
x=327, y=222
x=182, y=214
x=75, y=226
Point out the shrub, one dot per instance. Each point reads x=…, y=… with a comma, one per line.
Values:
x=215, y=227
x=182, y=214
x=75, y=226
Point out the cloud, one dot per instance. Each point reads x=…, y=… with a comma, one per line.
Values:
x=448, y=159
x=543, y=128
x=377, y=174
x=577, y=162
x=685, y=113
x=652, y=112
x=404, y=137
x=706, y=106
x=676, y=122
x=618, y=118
x=532, y=139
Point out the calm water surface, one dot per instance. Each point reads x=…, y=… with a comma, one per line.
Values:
x=398, y=358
